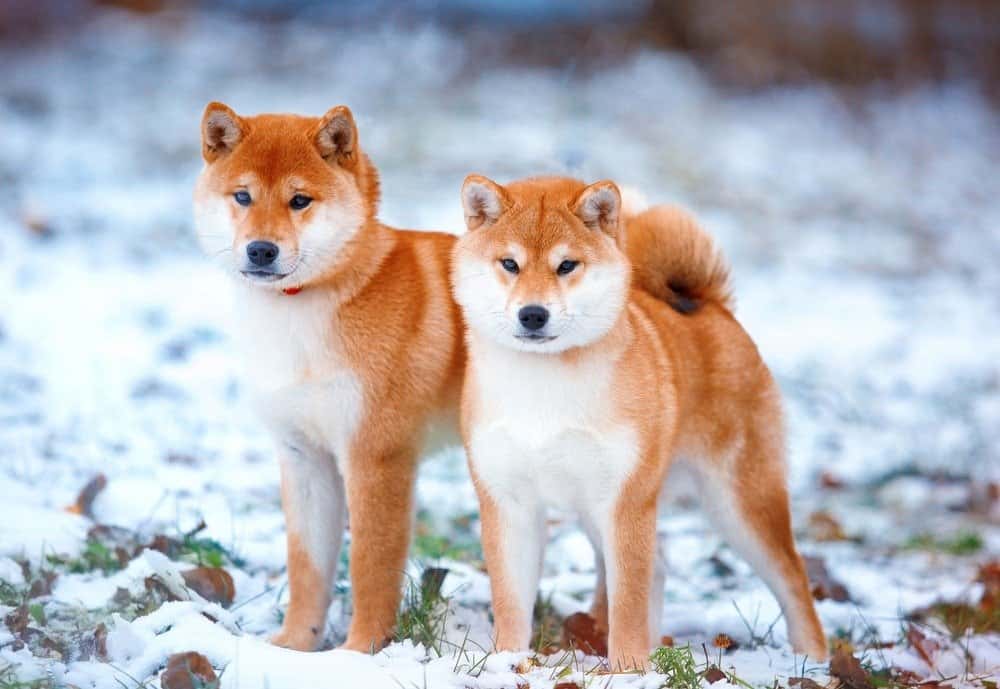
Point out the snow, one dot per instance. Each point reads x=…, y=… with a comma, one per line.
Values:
x=864, y=240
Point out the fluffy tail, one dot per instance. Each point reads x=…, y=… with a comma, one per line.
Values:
x=675, y=260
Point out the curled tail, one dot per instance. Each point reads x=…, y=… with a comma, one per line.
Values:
x=675, y=260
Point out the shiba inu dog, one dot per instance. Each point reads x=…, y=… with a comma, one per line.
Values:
x=353, y=344
x=595, y=365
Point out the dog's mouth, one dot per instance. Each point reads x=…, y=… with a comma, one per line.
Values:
x=535, y=338
x=263, y=275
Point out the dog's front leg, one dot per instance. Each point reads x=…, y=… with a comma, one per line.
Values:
x=312, y=495
x=513, y=543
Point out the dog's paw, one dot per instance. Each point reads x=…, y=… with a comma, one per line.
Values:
x=364, y=643
x=297, y=638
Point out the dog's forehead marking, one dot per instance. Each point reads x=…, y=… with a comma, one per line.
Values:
x=516, y=251
x=559, y=252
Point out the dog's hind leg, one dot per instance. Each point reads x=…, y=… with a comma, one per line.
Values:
x=380, y=498
x=599, y=608
x=656, y=591
x=746, y=499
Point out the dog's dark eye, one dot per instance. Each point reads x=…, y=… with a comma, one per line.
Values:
x=567, y=267
x=299, y=201
x=510, y=265
x=242, y=198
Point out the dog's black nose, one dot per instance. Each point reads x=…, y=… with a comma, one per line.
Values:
x=533, y=317
x=262, y=253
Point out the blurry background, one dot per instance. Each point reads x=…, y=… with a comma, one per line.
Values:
x=844, y=153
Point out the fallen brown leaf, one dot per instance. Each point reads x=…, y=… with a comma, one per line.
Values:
x=580, y=631
x=824, y=527
x=925, y=648
x=804, y=683
x=164, y=544
x=189, y=671
x=989, y=577
x=17, y=619
x=93, y=645
x=527, y=665
x=431, y=581
x=42, y=584
x=822, y=584
x=211, y=583
x=907, y=677
x=830, y=481
x=566, y=685
x=713, y=675
x=848, y=670
x=84, y=504
x=156, y=588
x=101, y=642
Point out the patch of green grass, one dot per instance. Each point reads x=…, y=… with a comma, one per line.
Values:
x=424, y=612
x=207, y=552
x=959, y=618
x=109, y=549
x=37, y=612
x=10, y=594
x=547, y=626
x=9, y=680
x=96, y=556
x=962, y=543
x=453, y=540
x=38, y=582
x=429, y=546
x=885, y=678
x=133, y=605
x=678, y=664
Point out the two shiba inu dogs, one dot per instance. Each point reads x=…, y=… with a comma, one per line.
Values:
x=601, y=351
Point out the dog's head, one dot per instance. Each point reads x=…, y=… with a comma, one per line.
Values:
x=542, y=267
x=280, y=196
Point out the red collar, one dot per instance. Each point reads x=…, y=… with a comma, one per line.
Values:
x=290, y=291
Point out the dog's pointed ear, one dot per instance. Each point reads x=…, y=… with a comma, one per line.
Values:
x=221, y=130
x=337, y=136
x=599, y=207
x=483, y=201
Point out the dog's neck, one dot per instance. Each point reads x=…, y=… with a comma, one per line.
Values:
x=358, y=263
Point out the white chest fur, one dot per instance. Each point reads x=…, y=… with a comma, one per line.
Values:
x=546, y=428
x=301, y=385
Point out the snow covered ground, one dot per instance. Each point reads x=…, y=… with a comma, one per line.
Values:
x=865, y=238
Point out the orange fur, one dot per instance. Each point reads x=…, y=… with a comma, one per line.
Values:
x=600, y=421
x=356, y=364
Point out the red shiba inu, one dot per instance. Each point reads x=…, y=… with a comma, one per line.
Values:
x=595, y=365
x=353, y=344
